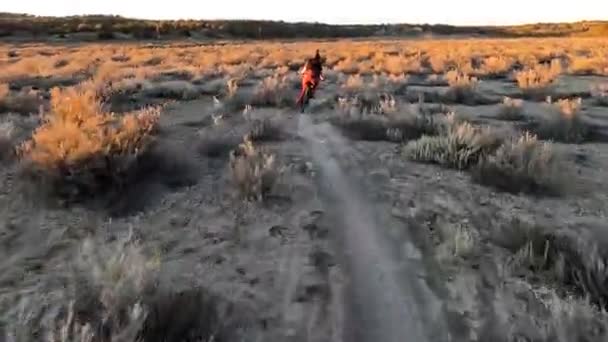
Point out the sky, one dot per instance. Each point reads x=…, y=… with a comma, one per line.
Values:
x=455, y=12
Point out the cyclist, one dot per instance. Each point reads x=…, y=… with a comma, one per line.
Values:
x=312, y=73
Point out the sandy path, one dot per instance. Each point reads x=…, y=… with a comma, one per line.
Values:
x=387, y=300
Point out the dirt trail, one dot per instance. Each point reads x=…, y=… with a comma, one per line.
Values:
x=387, y=299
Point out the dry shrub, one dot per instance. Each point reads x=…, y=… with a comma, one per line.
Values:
x=7, y=149
x=362, y=104
x=458, y=240
x=439, y=63
x=462, y=87
x=232, y=87
x=582, y=263
x=538, y=81
x=273, y=91
x=30, y=67
x=26, y=101
x=594, y=65
x=254, y=171
x=387, y=104
x=546, y=315
x=194, y=315
x=393, y=128
x=573, y=259
x=496, y=66
x=511, y=110
x=114, y=296
x=179, y=90
x=265, y=130
x=108, y=72
x=461, y=146
x=354, y=83
x=599, y=93
x=348, y=66
x=4, y=90
x=368, y=128
x=564, y=124
x=104, y=301
x=81, y=150
x=522, y=165
x=398, y=65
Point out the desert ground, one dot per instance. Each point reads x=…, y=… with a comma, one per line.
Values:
x=433, y=190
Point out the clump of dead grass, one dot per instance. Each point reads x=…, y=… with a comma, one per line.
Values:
x=496, y=66
x=105, y=301
x=4, y=90
x=179, y=90
x=564, y=124
x=254, y=172
x=398, y=65
x=7, y=149
x=265, y=130
x=353, y=84
x=458, y=240
x=365, y=104
x=25, y=101
x=511, y=110
x=80, y=150
x=114, y=295
x=396, y=127
x=576, y=261
x=273, y=91
x=538, y=81
x=462, y=87
x=348, y=66
x=439, y=62
x=232, y=86
x=461, y=146
x=589, y=65
x=599, y=93
x=548, y=315
x=522, y=165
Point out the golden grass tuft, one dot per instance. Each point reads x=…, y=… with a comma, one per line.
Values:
x=600, y=94
x=398, y=65
x=254, y=172
x=496, y=66
x=511, y=110
x=264, y=130
x=565, y=123
x=522, y=165
x=353, y=83
x=7, y=149
x=462, y=87
x=81, y=149
x=4, y=90
x=273, y=91
x=537, y=82
x=462, y=146
x=592, y=65
x=439, y=62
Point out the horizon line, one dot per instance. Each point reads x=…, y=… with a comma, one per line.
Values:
x=287, y=21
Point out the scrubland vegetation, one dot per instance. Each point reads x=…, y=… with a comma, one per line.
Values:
x=490, y=150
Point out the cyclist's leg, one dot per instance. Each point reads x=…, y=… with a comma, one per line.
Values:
x=313, y=87
x=305, y=80
x=302, y=94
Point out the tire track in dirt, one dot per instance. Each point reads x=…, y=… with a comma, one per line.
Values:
x=386, y=298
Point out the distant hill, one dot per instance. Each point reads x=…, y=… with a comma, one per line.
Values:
x=24, y=26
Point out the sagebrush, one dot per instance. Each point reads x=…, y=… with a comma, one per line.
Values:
x=82, y=150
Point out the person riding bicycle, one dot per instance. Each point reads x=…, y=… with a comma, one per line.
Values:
x=312, y=73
